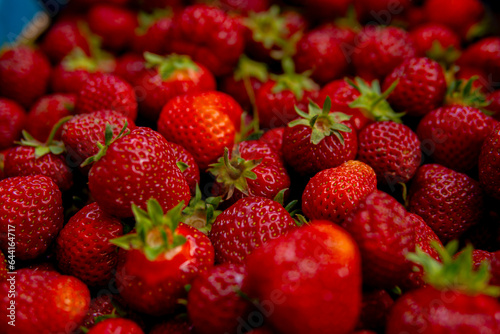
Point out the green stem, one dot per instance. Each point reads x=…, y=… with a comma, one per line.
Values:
x=55, y=128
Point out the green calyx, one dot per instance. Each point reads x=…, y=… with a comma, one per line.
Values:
x=248, y=68
x=233, y=173
x=292, y=81
x=108, y=140
x=168, y=65
x=455, y=272
x=350, y=20
x=77, y=59
x=200, y=213
x=322, y=122
x=50, y=146
x=373, y=102
x=146, y=20
x=462, y=92
x=155, y=231
x=295, y=213
x=444, y=56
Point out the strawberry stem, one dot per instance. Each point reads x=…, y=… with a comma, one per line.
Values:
x=108, y=140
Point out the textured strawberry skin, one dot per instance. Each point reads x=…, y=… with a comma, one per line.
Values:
x=448, y=201
x=12, y=122
x=131, y=165
x=425, y=35
x=116, y=325
x=483, y=54
x=489, y=163
x=333, y=193
x=155, y=39
x=192, y=173
x=65, y=80
x=246, y=226
x=32, y=204
x=99, y=306
x=274, y=139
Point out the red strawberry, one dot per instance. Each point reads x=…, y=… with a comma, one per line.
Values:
x=274, y=139
x=3, y=266
x=247, y=225
x=245, y=6
x=46, y=302
x=33, y=205
x=208, y=122
x=174, y=326
x=453, y=135
x=2, y=159
x=489, y=163
x=116, y=325
x=116, y=180
x=307, y=276
x=375, y=307
x=333, y=193
x=216, y=41
x=160, y=259
x=100, y=306
x=25, y=74
x=436, y=41
x=380, y=50
x=107, y=92
x=219, y=287
x=115, y=25
x=189, y=166
x=485, y=55
x=153, y=32
x=319, y=140
x=62, y=38
x=12, y=122
x=392, y=150
x=494, y=104
x=131, y=67
x=448, y=201
x=170, y=77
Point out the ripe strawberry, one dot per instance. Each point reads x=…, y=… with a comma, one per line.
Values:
x=380, y=50
x=375, y=307
x=392, y=150
x=131, y=67
x=116, y=180
x=190, y=170
x=25, y=74
x=493, y=98
x=247, y=225
x=484, y=55
x=33, y=205
x=274, y=139
x=2, y=159
x=244, y=7
x=174, y=326
x=107, y=92
x=308, y=275
x=203, y=123
x=3, y=267
x=101, y=305
x=153, y=32
x=116, y=325
x=218, y=286
x=436, y=41
x=169, y=77
x=448, y=201
x=453, y=135
x=12, y=121
x=46, y=302
x=202, y=41
x=333, y=193
x=160, y=259
x=62, y=38
x=114, y=24
x=252, y=169
x=489, y=163
x=319, y=140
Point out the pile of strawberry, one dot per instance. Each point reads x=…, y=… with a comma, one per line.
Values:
x=252, y=166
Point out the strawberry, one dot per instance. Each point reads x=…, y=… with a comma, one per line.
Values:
x=320, y=50
x=174, y=326
x=189, y=168
x=131, y=67
x=202, y=39
x=46, y=112
x=213, y=115
x=375, y=307
x=101, y=305
x=3, y=267
x=333, y=193
x=114, y=24
x=244, y=7
x=117, y=180
x=170, y=77
x=319, y=140
x=252, y=169
x=380, y=50
x=247, y=225
x=25, y=74
x=274, y=139
x=436, y=41
x=218, y=286
x=484, y=54
x=486, y=234
x=153, y=31
x=107, y=92
x=305, y=277
x=375, y=9
x=33, y=206
x=453, y=135
x=493, y=98
x=45, y=302
x=448, y=201
x=392, y=150
x=62, y=38
x=2, y=159
x=159, y=259
x=456, y=300
x=489, y=163
x=12, y=121
x=116, y=325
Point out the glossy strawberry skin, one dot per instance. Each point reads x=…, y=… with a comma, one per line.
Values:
x=32, y=204
x=12, y=122
x=62, y=38
x=116, y=325
x=3, y=267
x=428, y=310
x=155, y=39
x=246, y=226
x=333, y=193
x=274, y=139
x=308, y=276
x=67, y=80
x=217, y=286
x=154, y=287
x=483, y=54
x=107, y=92
x=200, y=38
x=489, y=163
x=425, y=35
x=131, y=67
x=123, y=176
x=99, y=306
x=392, y=150
x=25, y=74
x=453, y=135
x=448, y=201
x=192, y=172
x=46, y=302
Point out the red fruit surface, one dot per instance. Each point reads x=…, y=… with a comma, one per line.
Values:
x=99, y=306
x=62, y=38
x=3, y=267
x=131, y=67
x=116, y=325
x=192, y=172
x=274, y=139
x=154, y=38
x=426, y=35
x=494, y=104
x=375, y=307
x=69, y=79
x=489, y=163
x=174, y=326
x=12, y=122
x=485, y=55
